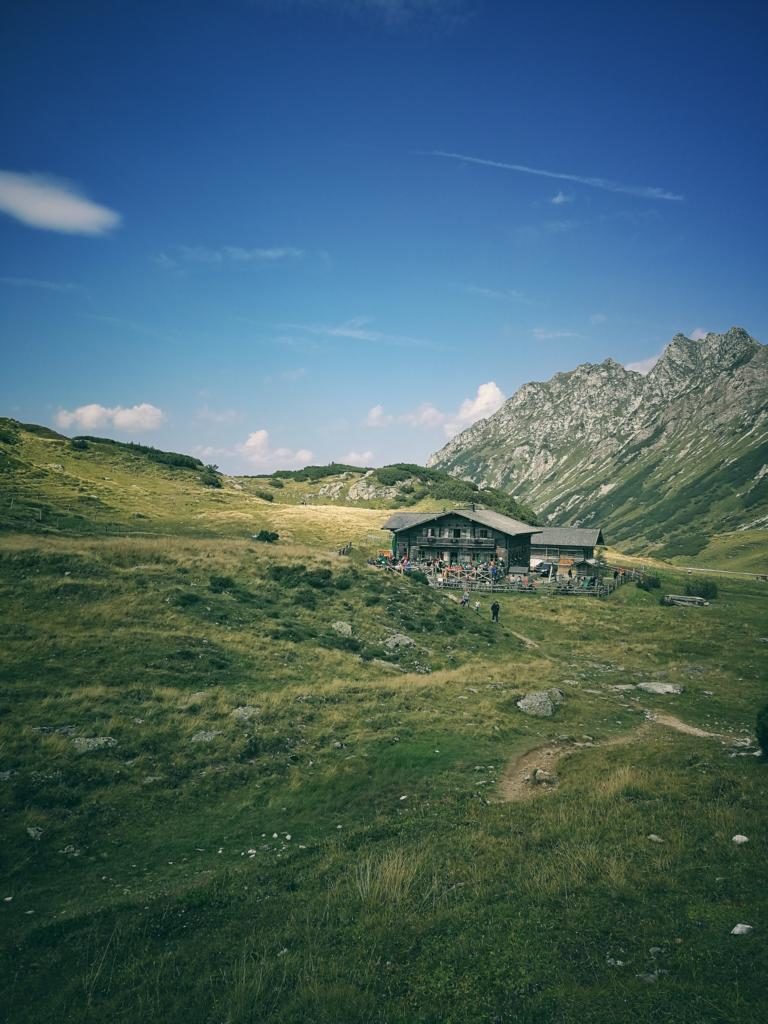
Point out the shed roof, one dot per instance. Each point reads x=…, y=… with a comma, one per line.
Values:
x=567, y=536
x=495, y=520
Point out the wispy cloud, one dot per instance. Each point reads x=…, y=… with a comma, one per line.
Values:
x=560, y=199
x=357, y=329
x=643, y=191
x=644, y=366
x=225, y=255
x=89, y=417
x=543, y=334
x=394, y=13
x=47, y=203
x=220, y=416
x=509, y=294
x=32, y=282
x=486, y=400
x=698, y=335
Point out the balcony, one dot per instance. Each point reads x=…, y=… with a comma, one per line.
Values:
x=459, y=542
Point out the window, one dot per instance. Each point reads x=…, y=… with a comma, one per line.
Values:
x=456, y=534
x=482, y=533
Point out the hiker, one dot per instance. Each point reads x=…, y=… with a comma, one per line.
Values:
x=477, y=607
x=464, y=599
x=495, y=611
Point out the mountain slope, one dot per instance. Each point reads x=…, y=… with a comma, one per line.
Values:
x=662, y=461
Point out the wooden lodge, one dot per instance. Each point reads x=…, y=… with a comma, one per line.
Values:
x=564, y=545
x=462, y=536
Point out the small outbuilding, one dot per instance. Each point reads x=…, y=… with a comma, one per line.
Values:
x=461, y=536
x=564, y=545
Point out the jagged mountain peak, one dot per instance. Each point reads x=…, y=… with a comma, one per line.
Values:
x=603, y=445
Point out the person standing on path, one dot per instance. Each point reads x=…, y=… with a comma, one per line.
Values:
x=495, y=611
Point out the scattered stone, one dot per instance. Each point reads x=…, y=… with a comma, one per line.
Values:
x=654, y=838
x=539, y=704
x=35, y=833
x=398, y=640
x=85, y=743
x=739, y=840
x=742, y=929
x=205, y=736
x=655, y=951
x=70, y=851
x=244, y=713
x=541, y=777
x=338, y=745
x=622, y=687
x=662, y=688
x=649, y=979
x=555, y=695
x=342, y=628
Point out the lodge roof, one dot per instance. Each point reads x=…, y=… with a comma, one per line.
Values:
x=567, y=536
x=485, y=517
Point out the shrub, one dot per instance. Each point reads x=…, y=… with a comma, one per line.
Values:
x=762, y=730
x=266, y=536
x=210, y=477
x=702, y=588
x=264, y=495
x=276, y=482
x=416, y=576
x=78, y=444
x=649, y=583
x=219, y=584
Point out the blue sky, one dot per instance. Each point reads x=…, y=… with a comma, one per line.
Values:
x=279, y=231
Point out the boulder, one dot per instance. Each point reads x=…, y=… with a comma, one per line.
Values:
x=541, y=777
x=244, y=713
x=662, y=688
x=342, y=628
x=742, y=929
x=398, y=640
x=539, y=704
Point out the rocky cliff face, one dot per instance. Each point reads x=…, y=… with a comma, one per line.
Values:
x=667, y=459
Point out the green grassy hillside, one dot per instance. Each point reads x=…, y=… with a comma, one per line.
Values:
x=232, y=792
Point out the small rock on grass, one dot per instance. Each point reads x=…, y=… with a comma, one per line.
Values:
x=662, y=688
x=85, y=743
x=654, y=838
x=204, y=736
x=742, y=929
x=739, y=840
x=342, y=628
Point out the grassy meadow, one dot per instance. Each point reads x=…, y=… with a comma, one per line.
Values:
x=232, y=793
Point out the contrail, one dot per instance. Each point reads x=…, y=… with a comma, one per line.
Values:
x=644, y=191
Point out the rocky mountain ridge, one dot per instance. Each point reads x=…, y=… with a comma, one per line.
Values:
x=665, y=460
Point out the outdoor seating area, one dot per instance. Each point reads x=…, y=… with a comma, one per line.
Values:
x=495, y=577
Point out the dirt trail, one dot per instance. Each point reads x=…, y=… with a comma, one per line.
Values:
x=517, y=782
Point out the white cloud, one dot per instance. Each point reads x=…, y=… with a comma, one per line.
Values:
x=89, y=417
x=542, y=334
x=644, y=366
x=52, y=205
x=487, y=399
x=698, y=335
x=377, y=418
x=560, y=199
x=257, y=450
x=597, y=318
x=227, y=254
x=357, y=459
x=643, y=191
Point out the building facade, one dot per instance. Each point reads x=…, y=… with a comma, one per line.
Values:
x=461, y=537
